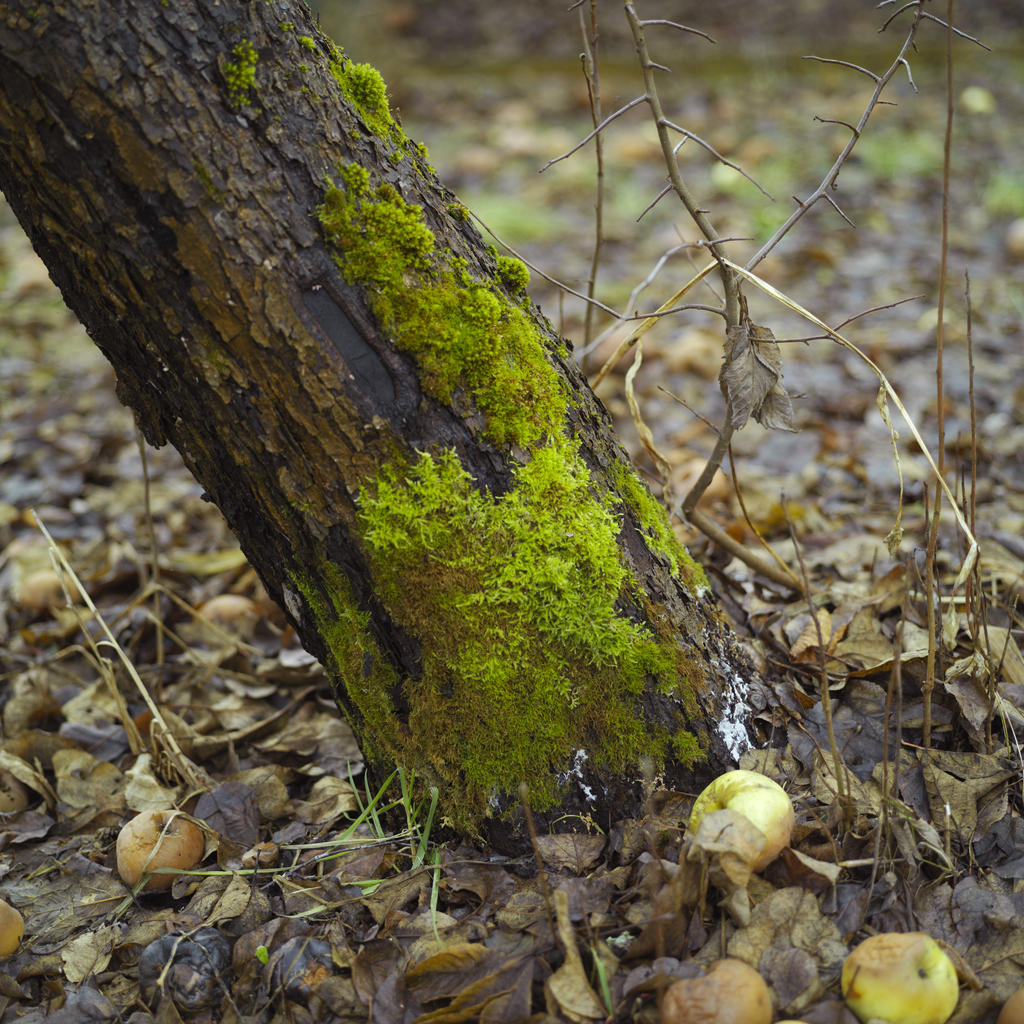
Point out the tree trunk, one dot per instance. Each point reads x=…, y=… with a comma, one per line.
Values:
x=406, y=451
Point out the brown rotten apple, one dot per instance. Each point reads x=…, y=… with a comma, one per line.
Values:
x=158, y=839
x=731, y=992
x=12, y=928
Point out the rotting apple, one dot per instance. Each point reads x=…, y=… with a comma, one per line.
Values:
x=12, y=928
x=761, y=800
x=158, y=839
x=904, y=978
x=730, y=992
x=1013, y=1009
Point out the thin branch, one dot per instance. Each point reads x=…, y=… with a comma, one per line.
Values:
x=842, y=63
x=835, y=120
x=675, y=24
x=604, y=124
x=648, y=323
x=928, y=684
x=562, y=286
x=910, y=77
x=876, y=309
x=714, y=152
x=893, y=17
x=715, y=533
x=734, y=473
x=690, y=409
x=835, y=206
x=591, y=77
x=654, y=202
x=828, y=182
x=729, y=280
x=956, y=31
x=886, y=387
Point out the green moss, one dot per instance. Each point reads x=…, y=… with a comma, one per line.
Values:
x=516, y=601
x=362, y=86
x=467, y=337
x=657, y=528
x=240, y=74
x=514, y=273
x=306, y=42
x=355, y=657
x=534, y=636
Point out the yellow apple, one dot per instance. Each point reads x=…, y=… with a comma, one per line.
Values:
x=903, y=978
x=759, y=799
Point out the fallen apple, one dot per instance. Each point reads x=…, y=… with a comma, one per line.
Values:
x=759, y=799
x=13, y=795
x=12, y=928
x=1013, y=1009
x=158, y=839
x=730, y=992
x=903, y=978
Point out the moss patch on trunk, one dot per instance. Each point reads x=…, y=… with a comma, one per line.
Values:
x=531, y=628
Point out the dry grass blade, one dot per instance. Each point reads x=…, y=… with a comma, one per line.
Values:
x=642, y=429
x=187, y=771
x=647, y=324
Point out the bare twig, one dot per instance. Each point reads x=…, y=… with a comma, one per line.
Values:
x=717, y=535
x=838, y=765
x=675, y=24
x=648, y=323
x=842, y=63
x=590, y=75
x=794, y=584
x=955, y=30
x=714, y=152
x=886, y=389
x=663, y=310
x=600, y=128
x=730, y=282
x=828, y=182
x=933, y=534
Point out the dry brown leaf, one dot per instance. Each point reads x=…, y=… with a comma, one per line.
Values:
x=329, y=798
x=89, y=953
x=816, y=636
x=751, y=378
x=571, y=851
x=568, y=991
x=85, y=782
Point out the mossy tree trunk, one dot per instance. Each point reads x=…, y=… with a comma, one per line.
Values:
x=406, y=451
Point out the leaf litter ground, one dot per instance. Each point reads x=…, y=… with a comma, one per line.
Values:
x=323, y=897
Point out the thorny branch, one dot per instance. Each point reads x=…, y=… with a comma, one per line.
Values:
x=730, y=282
x=828, y=183
x=733, y=307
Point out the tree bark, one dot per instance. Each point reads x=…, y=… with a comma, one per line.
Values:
x=407, y=452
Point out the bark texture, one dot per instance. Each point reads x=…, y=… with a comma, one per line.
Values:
x=406, y=451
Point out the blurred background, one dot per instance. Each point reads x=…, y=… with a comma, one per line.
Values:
x=496, y=91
